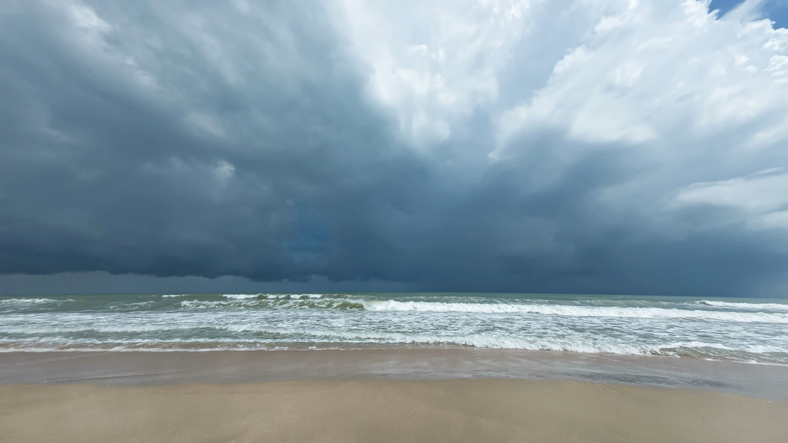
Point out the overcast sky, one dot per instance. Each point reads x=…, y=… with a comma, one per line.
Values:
x=590, y=146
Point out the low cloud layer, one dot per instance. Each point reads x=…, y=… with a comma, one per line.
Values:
x=609, y=146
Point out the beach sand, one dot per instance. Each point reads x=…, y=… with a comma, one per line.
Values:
x=429, y=395
x=464, y=410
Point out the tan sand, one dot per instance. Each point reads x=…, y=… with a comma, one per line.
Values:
x=481, y=410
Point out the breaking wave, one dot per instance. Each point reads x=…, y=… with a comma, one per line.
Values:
x=574, y=311
x=30, y=301
x=747, y=306
x=274, y=303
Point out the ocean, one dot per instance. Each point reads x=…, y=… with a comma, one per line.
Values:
x=741, y=330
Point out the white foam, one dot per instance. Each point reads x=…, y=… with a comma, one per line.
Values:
x=29, y=301
x=588, y=345
x=747, y=306
x=292, y=296
x=136, y=305
x=275, y=303
x=232, y=303
x=240, y=296
x=173, y=295
x=573, y=311
x=271, y=296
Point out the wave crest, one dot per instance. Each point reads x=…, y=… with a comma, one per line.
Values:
x=30, y=301
x=573, y=311
x=746, y=306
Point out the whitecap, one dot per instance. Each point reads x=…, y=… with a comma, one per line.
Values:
x=240, y=296
x=30, y=301
x=573, y=311
x=746, y=306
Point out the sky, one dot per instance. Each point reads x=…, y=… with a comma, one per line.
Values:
x=589, y=146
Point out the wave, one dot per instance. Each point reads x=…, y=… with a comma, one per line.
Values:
x=30, y=301
x=592, y=345
x=746, y=306
x=241, y=296
x=339, y=301
x=132, y=306
x=121, y=328
x=330, y=339
x=294, y=296
x=573, y=311
x=276, y=303
x=274, y=296
x=173, y=295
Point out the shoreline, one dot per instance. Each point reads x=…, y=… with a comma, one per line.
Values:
x=458, y=410
x=176, y=368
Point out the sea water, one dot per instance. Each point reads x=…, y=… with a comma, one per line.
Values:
x=744, y=330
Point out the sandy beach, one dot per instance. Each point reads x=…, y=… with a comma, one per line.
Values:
x=406, y=395
x=488, y=410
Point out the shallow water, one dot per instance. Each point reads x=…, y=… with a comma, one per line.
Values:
x=743, y=330
x=167, y=368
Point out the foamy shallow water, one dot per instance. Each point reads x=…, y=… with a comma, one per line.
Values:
x=743, y=330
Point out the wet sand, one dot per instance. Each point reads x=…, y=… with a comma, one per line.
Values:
x=386, y=395
x=161, y=368
x=481, y=410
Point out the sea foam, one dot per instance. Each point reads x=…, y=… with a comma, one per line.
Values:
x=747, y=306
x=573, y=311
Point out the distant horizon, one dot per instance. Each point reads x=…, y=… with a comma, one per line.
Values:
x=6, y=290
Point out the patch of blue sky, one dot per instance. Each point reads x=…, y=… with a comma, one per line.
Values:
x=775, y=10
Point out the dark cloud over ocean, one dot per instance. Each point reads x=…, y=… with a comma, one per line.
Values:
x=606, y=147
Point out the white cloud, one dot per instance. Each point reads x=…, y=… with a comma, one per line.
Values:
x=760, y=199
x=661, y=71
x=657, y=75
x=87, y=19
x=433, y=64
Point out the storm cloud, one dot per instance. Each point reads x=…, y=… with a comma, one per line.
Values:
x=537, y=146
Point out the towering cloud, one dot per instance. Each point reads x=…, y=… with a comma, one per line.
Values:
x=599, y=146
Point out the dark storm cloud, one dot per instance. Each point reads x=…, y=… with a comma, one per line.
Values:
x=207, y=140
x=99, y=175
